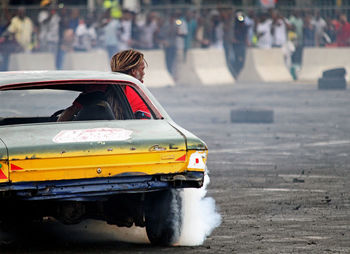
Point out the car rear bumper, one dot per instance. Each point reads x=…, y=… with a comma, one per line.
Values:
x=99, y=188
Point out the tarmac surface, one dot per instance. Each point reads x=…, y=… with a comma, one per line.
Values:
x=281, y=187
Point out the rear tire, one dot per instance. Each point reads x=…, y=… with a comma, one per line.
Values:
x=163, y=217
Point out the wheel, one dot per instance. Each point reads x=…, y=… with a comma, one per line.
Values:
x=163, y=217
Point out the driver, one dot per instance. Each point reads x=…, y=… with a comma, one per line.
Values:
x=130, y=62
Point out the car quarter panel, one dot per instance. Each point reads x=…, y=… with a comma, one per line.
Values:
x=75, y=150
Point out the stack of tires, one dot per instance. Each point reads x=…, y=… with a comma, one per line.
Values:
x=333, y=79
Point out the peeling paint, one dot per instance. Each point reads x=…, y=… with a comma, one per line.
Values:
x=99, y=135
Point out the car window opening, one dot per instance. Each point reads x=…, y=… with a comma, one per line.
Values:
x=97, y=102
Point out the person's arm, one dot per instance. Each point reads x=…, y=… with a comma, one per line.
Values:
x=68, y=113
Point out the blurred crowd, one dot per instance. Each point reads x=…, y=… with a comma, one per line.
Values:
x=62, y=30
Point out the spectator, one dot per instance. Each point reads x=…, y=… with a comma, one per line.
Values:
x=53, y=31
x=250, y=23
x=320, y=27
x=74, y=19
x=227, y=17
x=126, y=30
x=62, y=43
x=296, y=23
x=8, y=44
x=148, y=31
x=217, y=31
x=111, y=34
x=191, y=28
x=204, y=31
x=181, y=32
x=308, y=32
x=330, y=32
x=239, y=42
x=166, y=39
x=43, y=20
x=279, y=29
x=343, y=33
x=22, y=28
x=263, y=31
x=85, y=35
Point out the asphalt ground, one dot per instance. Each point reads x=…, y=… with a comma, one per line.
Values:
x=281, y=187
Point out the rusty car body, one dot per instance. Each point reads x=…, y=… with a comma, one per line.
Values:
x=127, y=171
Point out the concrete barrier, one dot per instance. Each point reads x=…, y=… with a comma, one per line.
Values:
x=96, y=60
x=156, y=74
x=31, y=61
x=264, y=65
x=317, y=60
x=210, y=66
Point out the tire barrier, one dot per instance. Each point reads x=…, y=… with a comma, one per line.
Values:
x=31, y=61
x=252, y=116
x=96, y=60
x=317, y=60
x=156, y=73
x=210, y=66
x=332, y=79
x=264, y=65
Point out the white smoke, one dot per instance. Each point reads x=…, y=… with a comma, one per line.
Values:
x=199, y=219
x=200, y=216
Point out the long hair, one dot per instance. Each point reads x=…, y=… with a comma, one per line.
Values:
x=124, y=61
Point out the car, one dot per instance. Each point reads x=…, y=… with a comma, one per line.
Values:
x=128, y=170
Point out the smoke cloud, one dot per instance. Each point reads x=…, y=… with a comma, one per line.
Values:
x=199, y=219
x=200, y=216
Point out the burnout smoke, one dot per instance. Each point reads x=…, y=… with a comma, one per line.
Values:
x=199, y=213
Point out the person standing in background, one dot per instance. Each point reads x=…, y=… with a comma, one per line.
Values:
x=320, y=27
x=111, y=31
x=166, y=40
x=279, y=29
x=191, y=28
x=296, y=23
x=263, y=31
x=53, y=32
x=239, y=42
x=22, y=28
x=308, y=32
x=85, y=35
x=217, y=40
x=148, y=31
x=343, y=32
x=226, y=17
x=250, y=23
x=43, y=20
x=126, y=23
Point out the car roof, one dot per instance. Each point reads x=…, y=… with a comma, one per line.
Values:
x=10, y=80
x=29, y=77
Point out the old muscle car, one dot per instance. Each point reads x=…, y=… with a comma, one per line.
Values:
x=125, y=170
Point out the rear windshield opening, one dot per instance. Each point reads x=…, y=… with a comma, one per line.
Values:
x=97, y=102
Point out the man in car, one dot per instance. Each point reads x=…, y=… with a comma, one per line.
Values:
x=130, y=62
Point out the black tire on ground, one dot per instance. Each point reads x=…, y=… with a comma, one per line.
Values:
x=252, y=116
x=331, y=83
x=163, y=217
x=334, y=73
